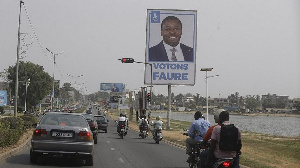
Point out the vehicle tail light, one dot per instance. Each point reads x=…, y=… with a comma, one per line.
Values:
x=226, y=164
x=93, y=125
x=85, y=135
x=122, y=125
x=39, y=132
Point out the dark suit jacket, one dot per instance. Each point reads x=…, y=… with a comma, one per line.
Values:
x=158, y=53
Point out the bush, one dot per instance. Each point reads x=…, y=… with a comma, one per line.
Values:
x=11, y=128
x=29, y=119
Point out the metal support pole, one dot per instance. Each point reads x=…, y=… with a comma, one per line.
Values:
x=206, y=96
x=169, y=107
x=25, y=107
x=17, y=66
x=150, y=102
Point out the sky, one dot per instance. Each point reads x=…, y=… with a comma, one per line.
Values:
x=253, y=45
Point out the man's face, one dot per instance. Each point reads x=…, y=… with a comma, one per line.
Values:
x=171, y=32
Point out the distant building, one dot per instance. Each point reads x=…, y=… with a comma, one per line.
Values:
x=274, y=99
x=222, y=102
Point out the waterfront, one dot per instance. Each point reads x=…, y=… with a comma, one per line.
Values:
x=271, y=125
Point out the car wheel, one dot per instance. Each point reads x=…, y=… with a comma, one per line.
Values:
x=105, y=131
x=95, y=139
x=33, y=157
x=89, y=160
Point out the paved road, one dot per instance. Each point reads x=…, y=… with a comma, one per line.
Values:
x=112, y=151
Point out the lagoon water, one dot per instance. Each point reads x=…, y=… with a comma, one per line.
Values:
x=279, y=126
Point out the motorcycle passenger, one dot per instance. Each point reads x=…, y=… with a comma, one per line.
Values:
x=121, y=120
x=214, y=150
x=157, y=124
x=207, y=136
x=143, y=122
x=196, y=133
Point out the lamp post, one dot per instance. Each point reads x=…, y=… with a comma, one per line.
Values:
x=206, y=81
x=52, y=95
x=27, y=82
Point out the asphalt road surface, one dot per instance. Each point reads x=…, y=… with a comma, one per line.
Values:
x=111, y=152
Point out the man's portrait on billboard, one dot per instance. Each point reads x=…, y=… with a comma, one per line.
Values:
x=170, y=47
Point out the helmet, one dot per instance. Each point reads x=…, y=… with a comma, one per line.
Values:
x=121, y=115
x=158, y=118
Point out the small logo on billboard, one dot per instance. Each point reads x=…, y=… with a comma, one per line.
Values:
x=155, y=16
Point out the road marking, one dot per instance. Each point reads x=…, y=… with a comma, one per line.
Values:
x=121, y=160
x=112, y=149
x=107, y=141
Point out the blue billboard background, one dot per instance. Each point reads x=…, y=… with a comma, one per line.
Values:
x=112, y=87
x=3, y=97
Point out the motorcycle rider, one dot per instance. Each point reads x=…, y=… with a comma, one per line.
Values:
x=121, y=120
x=214, y=151
x=196, y=133
x=157, y=124
x=143, y=122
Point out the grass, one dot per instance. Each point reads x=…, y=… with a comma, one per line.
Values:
x=258, y=151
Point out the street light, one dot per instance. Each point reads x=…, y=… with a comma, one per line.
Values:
x=52, y=95
x=27, y=82
x=206, y=81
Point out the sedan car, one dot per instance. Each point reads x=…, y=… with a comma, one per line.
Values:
x=93, y=125
x=102, y=122
x=62, y=135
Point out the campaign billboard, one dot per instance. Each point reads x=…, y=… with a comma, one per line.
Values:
x=171, y=47
x=112, y=87
x=3, y=97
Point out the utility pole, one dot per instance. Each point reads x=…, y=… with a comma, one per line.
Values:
x=52, y=95
x=17, y=65
x=169, y=107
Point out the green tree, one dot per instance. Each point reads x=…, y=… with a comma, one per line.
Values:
x=40, y=82
x=64, y=93
x=179, y=100
x=251, y=102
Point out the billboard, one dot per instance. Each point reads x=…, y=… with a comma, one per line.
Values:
x=112, y=87
x=3, y=97
x=171, y=47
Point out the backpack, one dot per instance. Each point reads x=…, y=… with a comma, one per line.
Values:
x=229, y=138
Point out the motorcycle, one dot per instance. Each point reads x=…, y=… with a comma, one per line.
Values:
x=196, y=161
x=144, y=132
x=196, y=150
x=122, y=131
x=157, y=136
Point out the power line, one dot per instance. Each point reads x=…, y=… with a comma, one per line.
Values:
x=34, y=34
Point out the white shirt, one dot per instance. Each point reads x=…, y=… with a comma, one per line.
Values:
x=122, y=119
x=178, y=53
x=141, y=121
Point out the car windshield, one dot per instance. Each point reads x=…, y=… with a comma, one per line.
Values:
x=88, y=116
x=100, y=118
x=63, y=119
